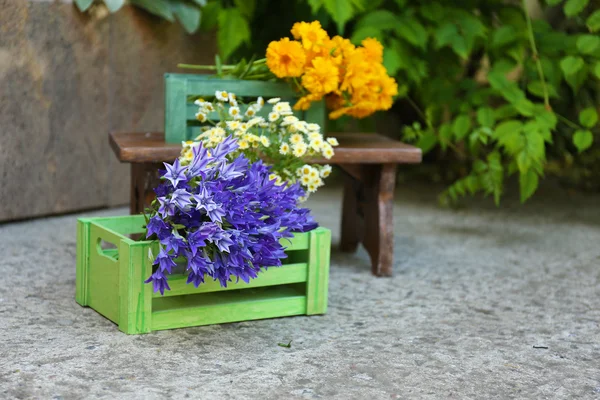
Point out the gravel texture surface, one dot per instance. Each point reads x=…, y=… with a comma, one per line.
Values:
x=485, y=303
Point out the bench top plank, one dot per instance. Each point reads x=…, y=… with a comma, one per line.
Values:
x=354, y=148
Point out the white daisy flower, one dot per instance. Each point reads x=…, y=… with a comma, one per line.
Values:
x=284, y=148
x=299, y=149
x=327, y=151
x=201, y=117
x=235, y=112
x=233, y=125
x=289, y=120
x=325, y=171
x=222, y=95
x=333, y=141
x=255, y=121
x=265, y=141
x=274, y=100
x=296, y=138
x=316, y=144
x=273, y=116
x=313, y=127
x=283, y=107
x=305, y=180
x=250, y=112
x=232, y=99
x=305, y=169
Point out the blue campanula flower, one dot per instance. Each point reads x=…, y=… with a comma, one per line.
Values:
x=225, y=216
x=175, y=173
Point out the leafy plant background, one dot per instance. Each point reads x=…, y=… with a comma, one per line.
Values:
x=489, y=88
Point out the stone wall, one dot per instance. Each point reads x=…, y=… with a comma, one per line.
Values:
x=66, y=80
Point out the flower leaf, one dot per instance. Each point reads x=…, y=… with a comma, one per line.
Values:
x=83, y=5
x=593, y=21
x=233, y=30
x=188, y=15
x=412, y=31
x=583, y=139
x=160, y=8
x=588, y=117
x=528, y=184
x=588, y=44
x=114, y=5
x=574, y=7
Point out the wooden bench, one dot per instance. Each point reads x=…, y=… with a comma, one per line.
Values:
x=369, y=161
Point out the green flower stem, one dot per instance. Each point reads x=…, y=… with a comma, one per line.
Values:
x=536, y=56
x=568, y=122
x=205, y=67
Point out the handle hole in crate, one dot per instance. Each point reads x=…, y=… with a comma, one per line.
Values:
x=107, y=249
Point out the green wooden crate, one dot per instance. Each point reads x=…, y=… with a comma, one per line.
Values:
x=111, y=281
x=180, y=113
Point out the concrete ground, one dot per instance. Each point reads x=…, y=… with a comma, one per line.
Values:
x=485, y=303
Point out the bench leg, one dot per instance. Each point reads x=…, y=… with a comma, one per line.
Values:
x=367, y=213
x=350, y=219
x=144, y=178
x=378, y=210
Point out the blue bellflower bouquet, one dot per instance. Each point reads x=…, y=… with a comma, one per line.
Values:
x=223, y=215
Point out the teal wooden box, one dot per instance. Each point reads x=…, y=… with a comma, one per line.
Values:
x=180, y=113
x=111, y=281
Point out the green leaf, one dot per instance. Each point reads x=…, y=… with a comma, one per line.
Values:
x=509, y=136
x=233, y=31
x=504, y=35
x=246, y=7
x=505, y=111
x=391, y=60
x=188, y=15
x=583, y=139
x=315, y=5
x=524, y=107
x=367, y=31
x=588, y=44
x=210, y=15
x=546, y=119
x=574, y=70
x=114, y=5
x=597, y=69
x=588, y=117
x=461, y=126
x=493, y=179
x=485, y=117
x=593, y=21
x=432, y=10
x=342, y=11
x=444, y=34
x=412, y=31
x=380, y=19
x=536, y=88
x=83, y=5
x=528, y=183
x=574, y=7
x=445, y=134
x=553, y=2
x=427, y=142
x=161, y=8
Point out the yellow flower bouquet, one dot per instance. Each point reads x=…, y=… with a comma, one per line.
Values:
x=351, y=79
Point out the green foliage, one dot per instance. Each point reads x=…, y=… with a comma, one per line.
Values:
x=492, y=89
x=187, y=12
x=499, y=90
